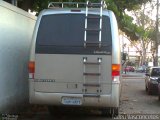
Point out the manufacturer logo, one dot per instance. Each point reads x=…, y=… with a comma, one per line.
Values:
x=44, y=80
x=101, y=52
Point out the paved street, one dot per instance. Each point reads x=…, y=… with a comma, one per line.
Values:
x=134, y=100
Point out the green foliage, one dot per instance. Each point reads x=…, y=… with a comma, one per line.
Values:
x=152, y=34
x=118, y=7
x=39, y=5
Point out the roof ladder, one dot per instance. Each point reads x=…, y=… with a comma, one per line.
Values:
x=88, y=18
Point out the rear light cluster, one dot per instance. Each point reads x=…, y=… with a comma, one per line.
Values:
x=31, y=69
x=115, y=70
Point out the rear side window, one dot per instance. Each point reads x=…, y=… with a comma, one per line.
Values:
x=67, y=31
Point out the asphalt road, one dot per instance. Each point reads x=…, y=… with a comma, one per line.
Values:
x=134, y=100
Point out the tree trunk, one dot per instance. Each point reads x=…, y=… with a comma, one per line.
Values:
x=140, y=62
x=143, y=52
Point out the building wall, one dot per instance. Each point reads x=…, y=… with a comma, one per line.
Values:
x=16, y=27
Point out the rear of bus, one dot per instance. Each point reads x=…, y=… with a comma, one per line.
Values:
x=64, y=72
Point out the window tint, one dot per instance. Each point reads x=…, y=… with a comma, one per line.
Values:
x=68, y=30
x=155, y=72
x=64, y=34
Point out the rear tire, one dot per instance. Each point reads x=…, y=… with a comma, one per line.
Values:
x=52, y=110
x=159, y=91
x=111, y=112
x=146, y=89
x=56, y=111
x=149, y=92
x=159, y=97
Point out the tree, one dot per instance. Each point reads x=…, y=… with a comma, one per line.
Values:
x=145, y=29
x=117, y=6
x=125, y=21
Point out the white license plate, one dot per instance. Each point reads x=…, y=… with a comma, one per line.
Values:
x=71, y=101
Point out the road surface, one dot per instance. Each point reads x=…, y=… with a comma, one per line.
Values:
x=134, y=100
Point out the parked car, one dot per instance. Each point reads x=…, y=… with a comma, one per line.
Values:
x=159, y=90
x=129, y=69
x=140, y=69
x=147, y=69
x=151, y=80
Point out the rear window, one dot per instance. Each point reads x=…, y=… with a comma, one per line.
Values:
x=67, y=30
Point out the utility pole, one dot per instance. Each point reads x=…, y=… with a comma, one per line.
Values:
x=157, y=32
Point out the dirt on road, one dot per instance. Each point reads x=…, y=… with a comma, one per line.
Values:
x=135, y=100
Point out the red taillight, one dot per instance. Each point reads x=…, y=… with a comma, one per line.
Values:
x=115, y=73
x=31, y=67
x=115, y=69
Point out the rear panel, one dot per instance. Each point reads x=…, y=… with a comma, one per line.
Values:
x=60, y=56
x=65, y=73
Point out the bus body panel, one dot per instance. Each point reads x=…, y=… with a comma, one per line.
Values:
x=66, y=73
x=59, y=74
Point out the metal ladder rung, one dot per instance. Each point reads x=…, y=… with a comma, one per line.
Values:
x=94, y=5
x=91, y=85
x=92, y=43
x=89, y=29
x=92, y=74
x=91, y=95
x=88, y=17
x=91, y=63
x=94, y=17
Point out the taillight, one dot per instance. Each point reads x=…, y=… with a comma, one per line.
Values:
x=31, y=69
x=115, y=70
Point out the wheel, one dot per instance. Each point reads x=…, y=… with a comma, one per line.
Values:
x=146, y=88
x=111, y=112
x=159, y=97
x=149, y=91
x=115, y=112
x=59, y=111
x=159, y=91
x=52, y=110
x=56, y=111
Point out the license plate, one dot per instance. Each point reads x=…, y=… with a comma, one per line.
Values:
x=71, y=101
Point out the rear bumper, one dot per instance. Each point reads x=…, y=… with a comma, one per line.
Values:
x=108, y=100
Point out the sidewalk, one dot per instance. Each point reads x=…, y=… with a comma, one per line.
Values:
x=133, y=74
